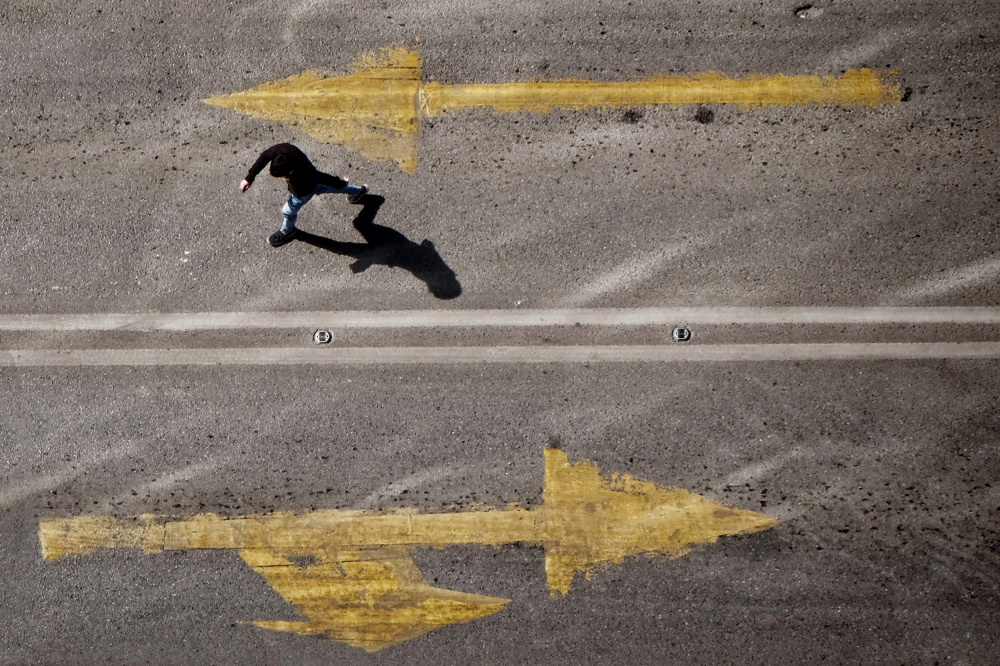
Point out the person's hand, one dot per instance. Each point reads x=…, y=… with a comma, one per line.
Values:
x=244, y=185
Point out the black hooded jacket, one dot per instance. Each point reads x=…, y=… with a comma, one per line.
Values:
x=302, y=176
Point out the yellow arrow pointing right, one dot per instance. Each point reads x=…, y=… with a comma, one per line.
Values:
x=359, y=585
x=585, y=523
x=378, y=110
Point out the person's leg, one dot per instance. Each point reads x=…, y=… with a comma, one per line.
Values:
x=290, y=211
x=353, y=192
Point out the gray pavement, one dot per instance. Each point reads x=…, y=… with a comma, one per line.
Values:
x=120, y=197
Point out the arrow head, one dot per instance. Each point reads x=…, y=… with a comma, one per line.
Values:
x=591, y=523
x=374, y=111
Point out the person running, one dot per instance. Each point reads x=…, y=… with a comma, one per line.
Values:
x=304, y=181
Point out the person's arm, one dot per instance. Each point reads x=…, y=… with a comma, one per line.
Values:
x=333, y=181
x=261, y=162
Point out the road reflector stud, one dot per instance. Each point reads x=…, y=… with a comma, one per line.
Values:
x=322, y=337
x=682, y=334
x=808, y=12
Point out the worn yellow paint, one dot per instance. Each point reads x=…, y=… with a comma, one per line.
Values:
x=377, y=109
x=360, y=585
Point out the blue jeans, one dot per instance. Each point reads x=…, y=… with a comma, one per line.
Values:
x=290, y=210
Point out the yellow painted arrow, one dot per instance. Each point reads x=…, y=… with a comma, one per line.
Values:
x=378, y=110
x=359, y=585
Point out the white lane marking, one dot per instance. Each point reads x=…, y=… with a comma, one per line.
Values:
x=667, y=316
x=539, y=354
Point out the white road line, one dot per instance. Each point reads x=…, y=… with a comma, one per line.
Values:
x=202, y=321
x=539, y=354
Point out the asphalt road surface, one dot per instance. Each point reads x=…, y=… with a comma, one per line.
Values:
x=837, y=267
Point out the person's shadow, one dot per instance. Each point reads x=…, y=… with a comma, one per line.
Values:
x=387, y=247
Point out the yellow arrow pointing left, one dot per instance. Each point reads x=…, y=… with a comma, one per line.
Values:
x=378, y=110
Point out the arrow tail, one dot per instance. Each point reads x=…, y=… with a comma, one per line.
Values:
x=856, y=87
x=83, y=535
x=368, y=599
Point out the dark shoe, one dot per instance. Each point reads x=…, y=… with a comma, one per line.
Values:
x=279, y=237
x=356, y=198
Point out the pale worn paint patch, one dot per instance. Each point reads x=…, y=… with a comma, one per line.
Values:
x=631, y=272
x=413, y=481
x=756, y=471
x=948, y=282
x=13, y=493
x=378, y=109
x=359, y=585
x=171, y=479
